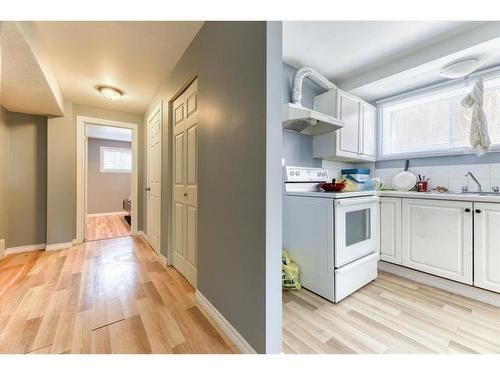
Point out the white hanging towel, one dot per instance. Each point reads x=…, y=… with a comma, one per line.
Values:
x=479, y=138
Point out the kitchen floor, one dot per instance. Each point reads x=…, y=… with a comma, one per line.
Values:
x=108, y=226
x=390, y=315
x=111, y=296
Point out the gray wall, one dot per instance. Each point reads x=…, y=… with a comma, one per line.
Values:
x=61, y=177
x=229, y=59
x=27, y=179
x=61, y=189
x=297, y=148
x=4, y=160
x=105, y=191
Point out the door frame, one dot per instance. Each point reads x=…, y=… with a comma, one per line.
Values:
x=157, y=108
x=81, y=172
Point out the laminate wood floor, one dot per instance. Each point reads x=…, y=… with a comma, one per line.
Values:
x=109, y=226
x=111, y=296
x=390, y=315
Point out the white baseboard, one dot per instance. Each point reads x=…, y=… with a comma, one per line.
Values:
x=24, y=249
x=226, y=327
x=471, y=292
x=163, y=259
x=59, y=246
x=108, y=213
x=142, y=234
x=2, y=248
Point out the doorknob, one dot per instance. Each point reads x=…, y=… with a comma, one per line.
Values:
x=147, y=189
x=185, y=194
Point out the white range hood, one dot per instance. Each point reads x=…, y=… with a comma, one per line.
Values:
x=307, y=121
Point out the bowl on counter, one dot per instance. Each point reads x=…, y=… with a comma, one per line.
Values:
x=332, y=186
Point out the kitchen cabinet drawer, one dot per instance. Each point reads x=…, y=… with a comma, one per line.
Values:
x=355, y=275
x=390, y=229
x=437, y=238
x=487, y=246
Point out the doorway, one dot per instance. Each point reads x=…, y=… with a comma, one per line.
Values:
x=107, y=180
x=185, y=182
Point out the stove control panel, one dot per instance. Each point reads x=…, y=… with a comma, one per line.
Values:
x=304, y=174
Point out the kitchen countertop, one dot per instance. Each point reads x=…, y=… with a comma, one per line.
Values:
x=450, y=196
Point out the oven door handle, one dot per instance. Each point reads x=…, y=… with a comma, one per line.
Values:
x=355, y=201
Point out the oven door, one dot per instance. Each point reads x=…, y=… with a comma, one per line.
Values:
x=356, y=228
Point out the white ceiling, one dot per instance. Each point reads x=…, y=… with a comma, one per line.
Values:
x=427, y=73
x=135, y=57
x=109, y=132
x=340, y=48
x=28, y=82
x=376, y=59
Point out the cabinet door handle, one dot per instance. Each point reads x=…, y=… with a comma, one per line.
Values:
x=467, y=210
x=478, y=211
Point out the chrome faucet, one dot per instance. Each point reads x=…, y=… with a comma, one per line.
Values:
x=467, y=174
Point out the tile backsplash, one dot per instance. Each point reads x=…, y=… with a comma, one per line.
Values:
x=335, y=167
x=451, y=177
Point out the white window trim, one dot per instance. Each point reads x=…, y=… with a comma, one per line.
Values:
x=122, y=149
x=485, y=74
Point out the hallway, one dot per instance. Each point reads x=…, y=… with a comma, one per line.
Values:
x=110, y=296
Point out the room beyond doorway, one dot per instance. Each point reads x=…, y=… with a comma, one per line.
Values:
x=108, y=182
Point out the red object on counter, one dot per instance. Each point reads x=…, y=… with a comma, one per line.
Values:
x=422, y=186
x=329, y=186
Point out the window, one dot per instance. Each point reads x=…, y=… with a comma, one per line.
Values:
x=116, y=160
x=433, y=122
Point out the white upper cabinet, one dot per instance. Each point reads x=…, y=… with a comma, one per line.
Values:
x=390, y=229
x=487, y=246
x=368, y=133
x=437, y=238
x=356, y=140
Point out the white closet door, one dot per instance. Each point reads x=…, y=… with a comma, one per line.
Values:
x=154, y=179
x=185, y=183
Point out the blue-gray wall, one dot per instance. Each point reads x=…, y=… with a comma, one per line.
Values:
x=297, y=148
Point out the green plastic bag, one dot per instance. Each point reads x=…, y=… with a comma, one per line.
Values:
x=289, y=273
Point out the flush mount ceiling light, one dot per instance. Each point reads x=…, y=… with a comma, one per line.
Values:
x=461, y=68
x=110, y=92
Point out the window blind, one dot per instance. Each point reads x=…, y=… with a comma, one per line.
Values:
x=434, y=122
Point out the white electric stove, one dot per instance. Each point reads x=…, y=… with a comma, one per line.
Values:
x=332, y=236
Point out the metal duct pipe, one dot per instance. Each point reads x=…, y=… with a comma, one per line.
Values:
x=314, y=76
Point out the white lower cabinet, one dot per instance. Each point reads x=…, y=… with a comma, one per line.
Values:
x=390, y=229
x=487, y=246
x=437, y=238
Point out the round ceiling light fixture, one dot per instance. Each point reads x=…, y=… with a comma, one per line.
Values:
x=110, y=93
x=460, y=68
